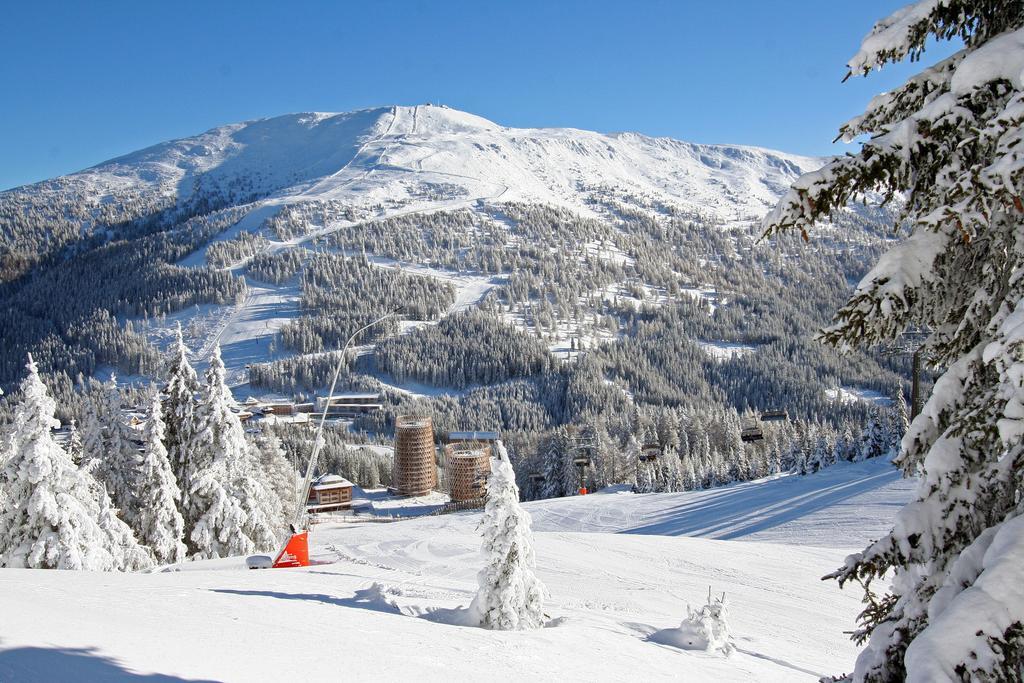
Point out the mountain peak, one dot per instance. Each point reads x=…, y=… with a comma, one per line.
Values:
x=396, y=153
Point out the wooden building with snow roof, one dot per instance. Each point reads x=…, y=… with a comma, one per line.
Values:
x=329, y=492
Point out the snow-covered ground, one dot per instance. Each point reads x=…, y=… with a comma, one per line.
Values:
x=726, y=350
x=384, y=603
x=843, y=506
x=853, y=394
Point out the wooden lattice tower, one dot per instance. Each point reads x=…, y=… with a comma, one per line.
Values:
x=467, y=466
x=415, y=472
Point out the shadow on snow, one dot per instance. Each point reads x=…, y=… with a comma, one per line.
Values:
x=59, y=664
x=366, y=598
x=756, y=506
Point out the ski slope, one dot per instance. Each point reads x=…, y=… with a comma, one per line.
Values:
x=844, y=506
x=386, y=602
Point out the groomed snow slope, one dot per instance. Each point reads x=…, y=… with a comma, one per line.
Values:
x=384, y=606
x=844, y=506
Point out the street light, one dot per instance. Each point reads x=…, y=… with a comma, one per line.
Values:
x=318, y=441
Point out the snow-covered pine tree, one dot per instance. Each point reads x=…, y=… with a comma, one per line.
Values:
x=75, y=447
x=180, y=422
x=220, y=520
x=560, y=477
x=510, y=596
x=281, y=475
x=220, y=441
x=819, y=456
x=668, y=429
x=118, y=467
x=846, y=446
x=948, y=141
x=671, y=478
x=92, y=436
x=873, y=440
x=160, y=524
x=603, y=468
x=630, y=458
x=684, y=445
x=689, y=475
x=128, y=555
x=900, y=421
x=646, y=479
x=49, y=518
x=551, y=466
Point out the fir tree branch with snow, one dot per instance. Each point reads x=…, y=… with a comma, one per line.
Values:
x=948, y=142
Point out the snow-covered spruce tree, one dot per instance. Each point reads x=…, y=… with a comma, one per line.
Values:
x=160, y=524
x=118, y=467
x=630, y=457
x=644, y=480
x=874, y=440
x=128, y=555
x=75, y=448
x=669, y=477
x=49, y=518
x=510, y=596
x=179, y=420
x=949, y=141
x=233, y=471
x=281, y=475
x=218, y=531
x=900, y=421
x=91, y=435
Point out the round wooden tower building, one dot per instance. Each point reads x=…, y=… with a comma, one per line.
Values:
x=467, y=466
x=415, y=472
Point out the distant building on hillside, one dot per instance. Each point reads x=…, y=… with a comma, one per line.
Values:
x=329, y=492
x=348, y=405
x=279, y=409
x=467, y=437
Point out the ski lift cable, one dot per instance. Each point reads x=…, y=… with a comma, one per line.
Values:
x=318, y=439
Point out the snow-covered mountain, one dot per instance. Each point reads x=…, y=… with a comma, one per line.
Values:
x=566, y=235
x=401, y=153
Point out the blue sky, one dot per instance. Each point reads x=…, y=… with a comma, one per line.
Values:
x=84, y=82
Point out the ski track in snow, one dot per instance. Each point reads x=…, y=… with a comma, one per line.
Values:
x=386, y=599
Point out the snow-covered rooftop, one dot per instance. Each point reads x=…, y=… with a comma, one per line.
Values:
x=331, y=481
